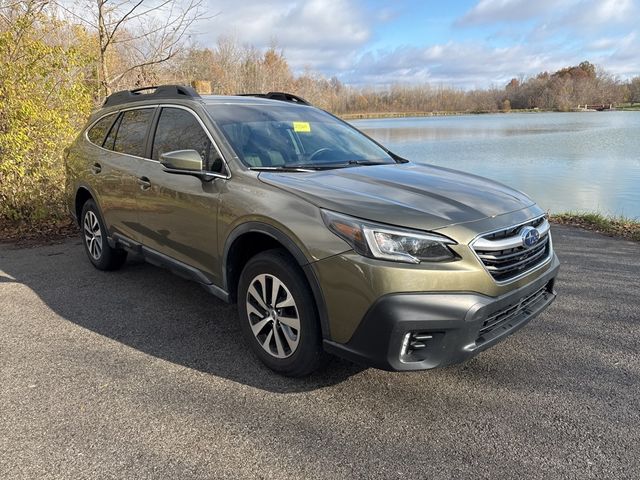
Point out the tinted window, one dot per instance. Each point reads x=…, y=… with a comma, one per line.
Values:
x=97, y=133
x=111, y=137
x=179, y=130
x=130, y=138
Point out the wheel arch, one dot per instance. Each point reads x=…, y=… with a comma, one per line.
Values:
x=83, y=194
x=241, y=245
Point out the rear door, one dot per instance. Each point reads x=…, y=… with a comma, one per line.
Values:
x=178, y=213
x=114, y=170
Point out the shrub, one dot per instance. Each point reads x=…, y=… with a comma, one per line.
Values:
x=43, y=102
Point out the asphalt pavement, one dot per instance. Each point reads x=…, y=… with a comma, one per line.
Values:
x=139, y=374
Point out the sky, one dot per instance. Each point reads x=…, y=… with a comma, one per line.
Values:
x=466, y=44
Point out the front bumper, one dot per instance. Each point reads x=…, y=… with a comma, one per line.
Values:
x=417, y=331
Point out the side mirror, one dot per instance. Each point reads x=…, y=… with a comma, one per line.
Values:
x=182, y=161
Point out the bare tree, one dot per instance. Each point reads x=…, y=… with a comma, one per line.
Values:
x=133, y=36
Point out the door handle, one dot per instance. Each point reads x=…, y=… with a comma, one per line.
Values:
x=144, y=183
x=96, y=168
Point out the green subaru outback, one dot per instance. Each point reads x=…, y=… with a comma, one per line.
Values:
x=327, y=241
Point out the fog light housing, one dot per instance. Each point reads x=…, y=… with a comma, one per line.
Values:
x=415, y=346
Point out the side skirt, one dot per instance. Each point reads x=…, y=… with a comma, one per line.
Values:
x=161, y=260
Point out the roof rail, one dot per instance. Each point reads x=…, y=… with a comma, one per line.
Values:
x=159, y=92
x=282, y=96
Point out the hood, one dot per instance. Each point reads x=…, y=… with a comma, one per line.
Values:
x=408, y=195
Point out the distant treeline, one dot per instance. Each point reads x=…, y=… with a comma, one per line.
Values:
x=232, y=68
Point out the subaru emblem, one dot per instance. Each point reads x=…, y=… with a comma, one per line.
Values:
x=529, y=236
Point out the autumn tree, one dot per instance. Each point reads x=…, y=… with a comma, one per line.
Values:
x=275, y=70
x=44, y=100
x=133, y=37
x=567, y=88
x=634, y=90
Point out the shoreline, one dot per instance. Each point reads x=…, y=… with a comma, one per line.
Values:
x=384, y=115
x=611, y=225
x=376, y=115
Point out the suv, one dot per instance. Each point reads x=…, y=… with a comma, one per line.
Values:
x=326, y=240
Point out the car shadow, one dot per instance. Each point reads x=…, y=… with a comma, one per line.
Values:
x=156, y=312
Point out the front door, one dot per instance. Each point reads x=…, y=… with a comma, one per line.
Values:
x=178, y=213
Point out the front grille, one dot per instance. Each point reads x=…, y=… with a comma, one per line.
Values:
x=503, y=254
x=510, y=316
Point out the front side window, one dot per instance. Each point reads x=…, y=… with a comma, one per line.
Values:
x=131, y=134
x=178, y=129
x=97, y=133
x=293, y=136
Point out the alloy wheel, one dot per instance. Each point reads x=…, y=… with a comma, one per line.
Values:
x=92, y=235
x=273, y=315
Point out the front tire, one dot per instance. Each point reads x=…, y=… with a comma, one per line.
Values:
x=278, y=316
x=94, y=234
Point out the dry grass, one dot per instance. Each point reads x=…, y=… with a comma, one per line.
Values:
x=609, y=225
x=44, y=232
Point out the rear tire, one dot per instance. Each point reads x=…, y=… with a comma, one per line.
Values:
x=278, y=314
x=94, y=235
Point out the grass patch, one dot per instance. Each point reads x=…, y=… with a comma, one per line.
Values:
x=609, y=225
x=628, y=106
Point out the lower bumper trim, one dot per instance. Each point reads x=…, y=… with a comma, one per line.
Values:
x=459, y=325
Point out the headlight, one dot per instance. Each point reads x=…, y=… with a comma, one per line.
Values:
x=382, y=241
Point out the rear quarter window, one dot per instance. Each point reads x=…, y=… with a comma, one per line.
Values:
x=99, y=129
x=111, y=137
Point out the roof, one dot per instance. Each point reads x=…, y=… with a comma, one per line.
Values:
x=181, y=92
x=241, y=100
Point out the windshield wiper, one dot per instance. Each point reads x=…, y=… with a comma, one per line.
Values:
x=298, y=168
x=310, y=167
x=365, y=162
x=352, y=163
x=283, y=168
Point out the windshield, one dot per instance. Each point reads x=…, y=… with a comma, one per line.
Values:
x=285, y=136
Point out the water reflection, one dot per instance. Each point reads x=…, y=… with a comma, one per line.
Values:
x=568, y=161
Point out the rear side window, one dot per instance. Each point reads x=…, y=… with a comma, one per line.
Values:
x=97, y=133
x=179, y=130
x=131, y=134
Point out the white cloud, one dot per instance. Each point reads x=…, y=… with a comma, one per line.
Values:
x=557, y=33
x=481, y=65
x=552, y=17
x=611, y=10
x=613, y=43
x=492, y=11
x=462, y=65
x=622, y=58
x=333, y=37
x=320, y=34
x=589, y=16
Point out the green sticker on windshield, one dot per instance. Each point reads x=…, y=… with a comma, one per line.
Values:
x=301, y=127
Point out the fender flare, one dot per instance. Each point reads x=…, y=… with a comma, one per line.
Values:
x=292, y=247
x=92, y=194
x=94, y=197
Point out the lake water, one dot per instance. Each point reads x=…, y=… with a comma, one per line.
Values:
x=565, y=161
